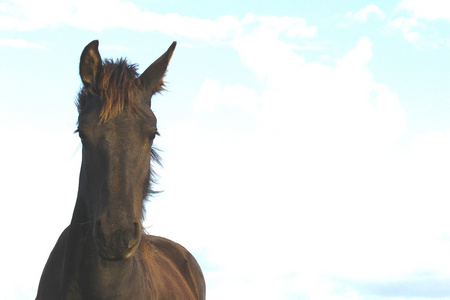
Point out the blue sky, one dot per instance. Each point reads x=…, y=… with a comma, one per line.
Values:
x=305, y=144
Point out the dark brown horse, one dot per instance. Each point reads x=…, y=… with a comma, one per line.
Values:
x=104, y=253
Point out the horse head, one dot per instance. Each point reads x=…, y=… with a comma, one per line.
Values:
x=116, y=126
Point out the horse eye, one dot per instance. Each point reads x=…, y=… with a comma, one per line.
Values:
x=81, y=135
x=153, y=135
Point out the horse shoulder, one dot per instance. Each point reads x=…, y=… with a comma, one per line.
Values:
x=166, y=254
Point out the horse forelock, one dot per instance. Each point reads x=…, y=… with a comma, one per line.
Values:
x=116, y=87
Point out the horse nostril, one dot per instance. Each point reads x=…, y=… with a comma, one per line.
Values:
x=133, y=238
x=136, y=235
x=98, y=234
x=137, y=229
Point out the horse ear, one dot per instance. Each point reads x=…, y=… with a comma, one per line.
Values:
x=90, y=65
x=152, y=78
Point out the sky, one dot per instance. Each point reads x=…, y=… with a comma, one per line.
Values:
x=305, y=144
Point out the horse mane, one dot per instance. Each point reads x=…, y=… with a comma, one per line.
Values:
x=116, y=88
x=155, y=158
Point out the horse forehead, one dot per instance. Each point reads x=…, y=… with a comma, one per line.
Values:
x=128, y=126
x=141, y=113
x=144, y=116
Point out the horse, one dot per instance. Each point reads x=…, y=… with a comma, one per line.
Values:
x=105, y=253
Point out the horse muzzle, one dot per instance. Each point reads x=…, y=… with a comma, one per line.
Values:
x=116, y=240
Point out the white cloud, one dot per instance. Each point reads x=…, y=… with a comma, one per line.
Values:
x=19, y=44
x=98, y=15
x=292, y=26
x=418, y=26
x=224, y=96
x=127, y=15
x=427, y=9
x=264, y=52
x=408, y=27
x=27, y=14
x=318, y=184
x=315, y=183
x=363, y=15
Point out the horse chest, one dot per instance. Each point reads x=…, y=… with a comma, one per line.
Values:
x=101, y=279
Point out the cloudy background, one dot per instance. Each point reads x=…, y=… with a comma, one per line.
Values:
x=306, y=146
